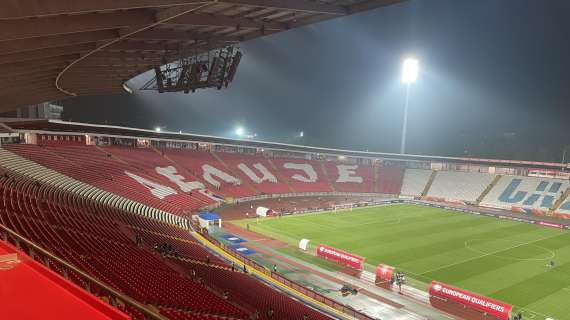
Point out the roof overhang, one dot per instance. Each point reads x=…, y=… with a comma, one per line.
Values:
x=50, y=50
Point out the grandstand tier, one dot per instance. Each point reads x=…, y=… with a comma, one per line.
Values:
x=415, y=181
x=527, y=192
x=128, y=252
x=180, y=181
x=465, y=186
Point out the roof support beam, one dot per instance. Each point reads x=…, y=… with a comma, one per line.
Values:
x=26, y=89
x=125, y=56
x=89, y=78
x=29, y=28
x=62, y=40
x=372, y=4
x=15, y=81
x=144, y=46
x=201, y=19
x=293, y=5
x=31, y=70
x=162, y=34
x=106, y=69
x=41, y=62
x=49, y=88
x=18, y=9
x=45, y=53
x=117, y=63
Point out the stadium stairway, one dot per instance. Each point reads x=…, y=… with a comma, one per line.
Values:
x=279, y=176
x=327, y=177
x=376, y=173
x=244, y=182
x=488, y=189
x=187, y=173
x=560, y=201
x=202, y=263
x=429, y=183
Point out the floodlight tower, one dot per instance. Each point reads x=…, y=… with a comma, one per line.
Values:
x=410, y=71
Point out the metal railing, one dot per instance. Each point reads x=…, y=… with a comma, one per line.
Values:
x=92, y=285
x=287, y=282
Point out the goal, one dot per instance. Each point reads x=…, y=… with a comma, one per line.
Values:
x=343, y=207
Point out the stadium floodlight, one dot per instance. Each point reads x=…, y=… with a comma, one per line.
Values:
x=127, y=88
x=410, y=70
x=240, y=131
x=301, y=134
x=157, y=129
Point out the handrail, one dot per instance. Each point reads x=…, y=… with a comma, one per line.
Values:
x=117, y=296
x=287, y=282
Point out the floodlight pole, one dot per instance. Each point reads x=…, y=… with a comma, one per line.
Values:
x=405, y=124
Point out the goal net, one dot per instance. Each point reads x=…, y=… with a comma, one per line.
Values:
x=343, y=207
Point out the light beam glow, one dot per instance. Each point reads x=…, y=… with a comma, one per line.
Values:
x=410, y=70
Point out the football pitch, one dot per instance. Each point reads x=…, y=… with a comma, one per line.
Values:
x=498, y=258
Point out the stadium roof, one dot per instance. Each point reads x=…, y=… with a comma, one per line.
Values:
x=78, y=128
x=54, y=49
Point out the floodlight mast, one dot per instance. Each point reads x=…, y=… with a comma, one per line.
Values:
x=410, y=71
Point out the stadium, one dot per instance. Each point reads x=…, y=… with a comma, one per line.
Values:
x=104, y=221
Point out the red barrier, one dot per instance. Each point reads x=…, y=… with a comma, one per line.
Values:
x=517, y=209
x=551, y=225
x=340, y=256
x=384, y=273
x=560, y=215
x=490, y=306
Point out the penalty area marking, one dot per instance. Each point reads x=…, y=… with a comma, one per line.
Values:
x=487, y=254
x=520, y=244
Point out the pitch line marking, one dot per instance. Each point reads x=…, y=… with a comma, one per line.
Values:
x=532, y=312
x=552, y=253
x=489, y=254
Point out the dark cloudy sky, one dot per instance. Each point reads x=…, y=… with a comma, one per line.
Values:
x=494, y=82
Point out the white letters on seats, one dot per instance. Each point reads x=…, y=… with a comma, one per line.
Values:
x=265, y=174
x=347, y=173
x=210, y=172
x=307, y=168
x=156, y=189
x=170, y=173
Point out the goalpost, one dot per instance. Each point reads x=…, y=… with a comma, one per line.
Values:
x=343, y=207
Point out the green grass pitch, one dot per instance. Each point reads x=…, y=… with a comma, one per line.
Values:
x=502, y=259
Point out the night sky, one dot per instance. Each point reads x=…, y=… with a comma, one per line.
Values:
x=494, y=82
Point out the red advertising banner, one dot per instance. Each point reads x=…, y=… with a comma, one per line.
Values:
x=550, y=225
x=384, y=273
x=492, y=307
x=340, y=256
